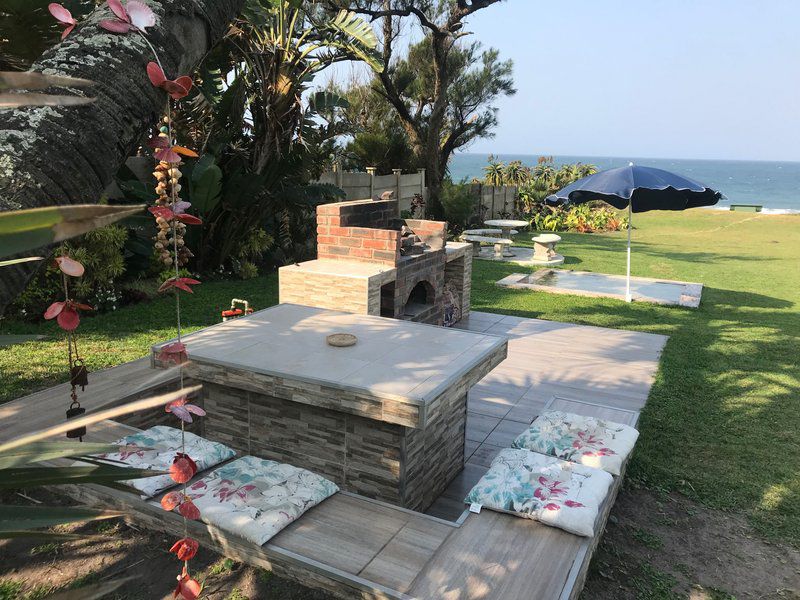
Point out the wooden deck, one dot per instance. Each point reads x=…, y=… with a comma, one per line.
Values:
x=356, y=547
x=550, y=365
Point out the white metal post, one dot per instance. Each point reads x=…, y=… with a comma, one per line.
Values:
x=628, y=297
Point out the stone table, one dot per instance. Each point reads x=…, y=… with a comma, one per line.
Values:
x=506, y=226
x=385, y=418
x=544, y=249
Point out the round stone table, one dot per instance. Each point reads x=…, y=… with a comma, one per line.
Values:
x=544, y=249
x=506, y=225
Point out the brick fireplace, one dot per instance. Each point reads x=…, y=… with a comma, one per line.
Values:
x=370, y=261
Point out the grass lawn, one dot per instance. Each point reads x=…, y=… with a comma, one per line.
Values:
x=723, y=419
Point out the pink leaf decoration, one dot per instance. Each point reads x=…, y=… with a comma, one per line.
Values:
x=552, y=506
x=119, y=10
x=68, y=318
x=181, y=413
x=167, y=155
x=161, y=211
x=185, y=548
x=181, y=283
x=54, y=310
x=115, y=26
x=140, y=15
x=189, y=510
x=173, y=353
x=188, y=588
x=171, y=500
x=69, y=266
x=155, y=74
x=166, y=213
x=183, y=468
x=181, y=409
x=188, y=219
x=176, y=89
x=64, y=18
x=573, y=504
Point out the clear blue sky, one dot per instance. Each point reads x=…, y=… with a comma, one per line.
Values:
x=654, y=78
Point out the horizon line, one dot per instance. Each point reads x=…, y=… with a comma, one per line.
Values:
x=766, y=160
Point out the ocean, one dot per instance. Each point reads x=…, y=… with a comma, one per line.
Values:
x=774, y=185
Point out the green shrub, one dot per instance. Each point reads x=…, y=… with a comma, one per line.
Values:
x=458, y=203
x=584, y=218
x=101, y=253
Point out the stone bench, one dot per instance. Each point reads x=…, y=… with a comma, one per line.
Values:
x=544, y=249
x=488, y=232
x=500, y=244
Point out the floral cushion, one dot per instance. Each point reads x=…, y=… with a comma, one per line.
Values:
x=557, y=493
x=164, y=442
x=585, y=440
x=256, y=498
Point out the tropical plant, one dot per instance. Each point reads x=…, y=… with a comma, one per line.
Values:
x=546, y=179
x=494, y=172
x=263, y=139
x=498, y=173
x=459, y=205
x=583, y=218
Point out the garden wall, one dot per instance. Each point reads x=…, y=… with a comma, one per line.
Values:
x=358, y=186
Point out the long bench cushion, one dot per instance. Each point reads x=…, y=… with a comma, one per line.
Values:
x=586, y=440
x=256, y=498
x=163, y=443
x=555, y=492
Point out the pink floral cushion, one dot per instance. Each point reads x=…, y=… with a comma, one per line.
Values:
x=585, y=440
x=554, y=492
x=256, y=498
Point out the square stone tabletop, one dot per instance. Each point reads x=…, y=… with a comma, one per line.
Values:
x=401, y=360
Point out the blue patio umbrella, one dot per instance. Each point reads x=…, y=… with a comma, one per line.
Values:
x=638, y=189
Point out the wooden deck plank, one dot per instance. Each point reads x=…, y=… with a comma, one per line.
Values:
x=330, y=532
x=399, y=563
x=500, y=557
x=106, y=388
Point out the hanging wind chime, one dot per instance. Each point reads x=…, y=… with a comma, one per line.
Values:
x=66, y=314
x=171, y=221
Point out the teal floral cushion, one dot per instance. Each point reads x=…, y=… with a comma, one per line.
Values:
x=163, y=443
x=256, y=498
x=555, y=492
x=585, y=440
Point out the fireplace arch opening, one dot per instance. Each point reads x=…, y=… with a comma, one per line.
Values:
x=421, y=297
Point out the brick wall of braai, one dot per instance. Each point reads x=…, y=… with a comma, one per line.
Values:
x=428, y=267
x=356, y=231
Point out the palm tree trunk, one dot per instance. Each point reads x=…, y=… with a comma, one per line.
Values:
x=69, y=155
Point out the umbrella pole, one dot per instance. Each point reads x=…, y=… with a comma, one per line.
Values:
x=628, y=297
